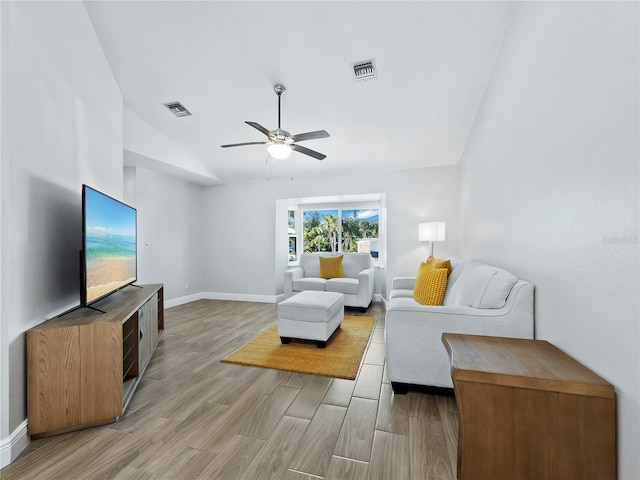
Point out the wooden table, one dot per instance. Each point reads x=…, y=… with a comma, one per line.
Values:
x=527, y=410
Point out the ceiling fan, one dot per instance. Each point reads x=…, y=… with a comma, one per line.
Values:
x=282, y=142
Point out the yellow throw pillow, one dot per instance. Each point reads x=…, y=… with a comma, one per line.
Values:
x=439, y=263
x=431, y=284
x=331, y=267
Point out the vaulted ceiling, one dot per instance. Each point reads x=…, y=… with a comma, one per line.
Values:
x=222, y=59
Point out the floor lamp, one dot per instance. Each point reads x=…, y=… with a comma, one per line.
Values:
x=431, y=232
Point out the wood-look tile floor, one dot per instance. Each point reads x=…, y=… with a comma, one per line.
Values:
x=194, y=417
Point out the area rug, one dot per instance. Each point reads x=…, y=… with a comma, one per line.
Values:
x=340, y=359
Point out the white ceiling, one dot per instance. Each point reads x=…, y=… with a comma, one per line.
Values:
x=222, y=59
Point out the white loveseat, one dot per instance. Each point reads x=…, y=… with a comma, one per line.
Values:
x=356, y=284
x=479, y=300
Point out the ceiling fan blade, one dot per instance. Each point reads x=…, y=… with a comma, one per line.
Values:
x=308, y=151
x=241, y=144
x=257, y=126
x=309, y=135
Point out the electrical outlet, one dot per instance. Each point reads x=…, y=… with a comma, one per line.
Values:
x=186, y=284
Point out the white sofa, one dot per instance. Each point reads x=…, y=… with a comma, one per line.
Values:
x=356, y=285
x=479, y=300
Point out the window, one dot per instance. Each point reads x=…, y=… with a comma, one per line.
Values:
x=338, y=223
x=341, y=229
x=320, y=230
x=360, y=231
x=293, y=241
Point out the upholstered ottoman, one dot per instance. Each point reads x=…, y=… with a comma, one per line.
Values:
x=310, y=315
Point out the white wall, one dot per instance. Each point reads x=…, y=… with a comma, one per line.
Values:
x=549, y=184
x=146, y=147
x=5, y=440
x=240, y=222
x=61, y=127
x=171, y=238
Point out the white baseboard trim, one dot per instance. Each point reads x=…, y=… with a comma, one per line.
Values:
x=237, y=297
x=11, y=447
x=174, y=302
x=241, y=297
x=377, y=297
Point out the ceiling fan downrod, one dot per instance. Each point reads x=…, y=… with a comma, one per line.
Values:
x=279, y=89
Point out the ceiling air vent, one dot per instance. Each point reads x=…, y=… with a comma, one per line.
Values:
x=365, y=70
x=177, y=109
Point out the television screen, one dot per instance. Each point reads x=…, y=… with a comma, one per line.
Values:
x=109, y=231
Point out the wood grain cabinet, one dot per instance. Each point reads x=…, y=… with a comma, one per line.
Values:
x=83, y=367
x=527, y=410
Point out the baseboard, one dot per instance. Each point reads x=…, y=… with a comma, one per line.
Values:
x=380, y=299
x=11, y=447
x=237, y=297
x=241, y=297
x=174, y=302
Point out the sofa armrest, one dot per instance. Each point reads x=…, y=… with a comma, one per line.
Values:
x=365, y=277
x=365, y=288
x=403, y=283
x=290, y=275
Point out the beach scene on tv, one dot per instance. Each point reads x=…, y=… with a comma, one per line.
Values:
x=110, y=244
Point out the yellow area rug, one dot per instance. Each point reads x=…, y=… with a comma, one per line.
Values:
x=340, y=359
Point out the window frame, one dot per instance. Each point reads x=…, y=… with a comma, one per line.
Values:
x=302, y=208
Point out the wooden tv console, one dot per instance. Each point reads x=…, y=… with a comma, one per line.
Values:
x=83, y=367
x=527, y=410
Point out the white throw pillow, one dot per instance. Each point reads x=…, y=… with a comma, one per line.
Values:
x=498, y=289
x=472, y=284
x=478, y=285
x=310, y=263
x=354, y=263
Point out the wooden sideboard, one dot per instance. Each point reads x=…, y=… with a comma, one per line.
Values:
x=83, y=367
x=527, y=410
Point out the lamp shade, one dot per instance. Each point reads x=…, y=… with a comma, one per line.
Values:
x=431, y=231
x=279, y=150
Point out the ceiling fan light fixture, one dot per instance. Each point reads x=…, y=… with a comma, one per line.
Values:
x=279, y=150
x=280, y=141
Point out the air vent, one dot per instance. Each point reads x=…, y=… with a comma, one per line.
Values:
x=177, y=109
x=365, y=70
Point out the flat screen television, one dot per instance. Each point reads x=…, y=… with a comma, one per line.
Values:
x=109, y=256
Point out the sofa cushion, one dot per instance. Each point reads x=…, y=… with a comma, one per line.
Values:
x=354, y=263
x=308, y=283
x=457, y=266
x=310, y=264
x=331, y=267
x=431, y=284
x=401, y=293
x=498, y=289
x=345, y=285
x=477, y=285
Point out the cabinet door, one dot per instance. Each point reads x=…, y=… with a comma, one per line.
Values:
x=74, y=376
x=143, y=345
x=148, y=329
x=153, y=322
